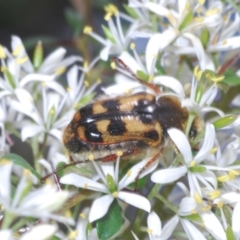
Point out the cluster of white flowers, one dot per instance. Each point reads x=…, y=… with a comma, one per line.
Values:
x=185, y=48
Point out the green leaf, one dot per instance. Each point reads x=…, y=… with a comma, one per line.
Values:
x=142, y=75
x=204, y=37
x=197, y=169
x=19, y=161
x=229, y=233
x=199, y=93
x=38, y=56
x=108, y=34
x=225, y=121
x=110, y=224
x=231, y=78
x=111, y=184
x=193, y=217
x=74, y=20
x=130, y=11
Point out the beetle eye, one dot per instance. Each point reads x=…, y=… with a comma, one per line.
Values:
x=193, y=133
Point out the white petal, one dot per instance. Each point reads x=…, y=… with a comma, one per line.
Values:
x=204, y=61
x=213, y=226
x=170, y=82
x=228, y=157
x=193, y=184
x=100, y=207
x=55, y=86
x=187, y=205
x=105, y=53
x=36, y=77
x=157, y=43
x=155, y=224
x=169, y=227
x=227, y=44
x=72, y=76
x=6, y=234
x=30, y=131
x=191, y=231
x=56, y=133
x=236, y=220
x=208, y=177
x=230, y=197
x=181, y=142
x=135, y=200
x=83, y=182
x=168, y=175
x=40, y=232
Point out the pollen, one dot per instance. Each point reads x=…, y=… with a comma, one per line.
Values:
x=26, y=173
x=220, y=204
x=82, y=215
x=199, y=19
x=52, y=111
x=2, y=52
x=115, y=194
x=151, y=77
x=91, y=157
x=232, y=174
x=119, y=153
x=111, y=9
x=17, y=50
x=197, y=198
x=21, y=60
x=132, y=46
x=206, y=208
x=68, y=214
x=198, y=73
x=59, y=71
x=214, y=194
x=201, y=1
x=223, y=178
x=87, y=30
x=72, y=235
x=85, y=185
x=150, y=231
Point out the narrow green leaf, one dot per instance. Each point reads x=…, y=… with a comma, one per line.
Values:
x=193, y=217
x=110, y=224
x=197, y=169
x=38, y=56
x=199, y=93
x=225, y=121
x=19, y=161
x=111, y=184
x=229, y=233
x=142, y=75
x=108, y=34
x=204, y=37
x=130, y=11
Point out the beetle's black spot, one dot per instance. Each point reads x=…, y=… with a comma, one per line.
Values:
x=152, y=135
x=75, y=145
x=111, y=105
x=116, y=127
x=92, y=134
x=86, y=111
x=146, y=118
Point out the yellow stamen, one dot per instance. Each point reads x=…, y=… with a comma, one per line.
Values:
x=5, y=161
x=85, y=65
x=17, y=50
x=129, y=173
x=52, y=111
x=26, y=173
x=199, y=19
x=112, y=9
x=132, y=46
x=99, y=80
x=68, y=214
x=232, y=174
x=82, y=215
x=3, y=69
x=206, y=208
x=86, y=83
x=197, y=198
x=2, y=52
x=212, y=12
x=119, y=153
x=194, y=211
x=214, y=194
x=69, y=89
x=21, y=60
x=220, y=204
x=72, y=235
x=113, y=65
x=86, y=185
x=87, y=30
x=59, y=71
x=201, y=2
x=150, y=231
x=115, y=194
x=107, y=16
x=91, y=157
x=43, y=84
x=151, y=77
x=217, y=79
x=193, y=163
x=224, y=42
x=213, y=150
x=223, y=178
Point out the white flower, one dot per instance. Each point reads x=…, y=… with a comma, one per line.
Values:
x=181, y=142
x=100, y=205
